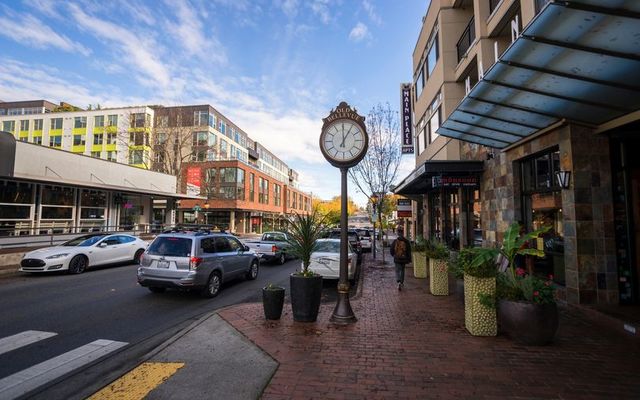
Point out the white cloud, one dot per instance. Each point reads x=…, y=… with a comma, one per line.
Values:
x=29, y=30
x=189, y=31
x=140, y=51
x=321, y=9
x=359, y=32
x=289, y=7
x=371, y=11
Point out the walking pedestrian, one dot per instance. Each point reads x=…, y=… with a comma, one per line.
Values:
x=401, y=252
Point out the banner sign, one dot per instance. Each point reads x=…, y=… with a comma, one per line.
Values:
x=193, y=181
x=403, y=208
x=407, y=128
x=455, y=181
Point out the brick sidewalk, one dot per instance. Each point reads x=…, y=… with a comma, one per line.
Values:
x=412, y=345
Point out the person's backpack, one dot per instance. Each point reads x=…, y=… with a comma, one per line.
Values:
x=400, y=250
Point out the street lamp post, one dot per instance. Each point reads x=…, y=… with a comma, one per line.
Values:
x=374, y=202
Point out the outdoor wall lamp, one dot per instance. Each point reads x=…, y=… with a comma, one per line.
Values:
x=564, y=179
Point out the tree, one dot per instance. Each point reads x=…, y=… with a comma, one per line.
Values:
x=379, y=168
x=178, y=139
x=330, y=209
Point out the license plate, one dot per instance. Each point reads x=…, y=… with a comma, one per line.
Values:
x=163, y=264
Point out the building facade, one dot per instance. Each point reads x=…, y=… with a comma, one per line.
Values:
x=115, y=134
x=527, y=111
x=248, y=188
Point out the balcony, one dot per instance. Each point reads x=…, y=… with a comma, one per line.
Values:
x=467, y=38
x=493, y=4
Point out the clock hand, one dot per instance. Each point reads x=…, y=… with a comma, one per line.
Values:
x=344, y=135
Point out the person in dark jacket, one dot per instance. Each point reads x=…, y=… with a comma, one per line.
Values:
x=401, y=252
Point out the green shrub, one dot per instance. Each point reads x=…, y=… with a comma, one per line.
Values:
x=419, y=245
x=457, y=264
x=436, y=250
x=481, y=263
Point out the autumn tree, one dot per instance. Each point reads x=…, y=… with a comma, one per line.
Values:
x=330, y=209
x=379, y=168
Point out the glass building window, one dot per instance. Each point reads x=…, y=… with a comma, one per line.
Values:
x=277, y=194
x=37, y=139
x=98, y=121
x=57, y=202
x=138, y=120
x=78, y=140
x=200, y=118
x=111, y=155
x=96, y=154
x=434, y=124
x=37, y=124
x=97, y=138
x=55, y=141
x=80, y=122
x=24, y=125
x=112, y=120
x=200, y=138
x=56, y=123
x=252, y=178
x=111, y=138
x=136, y=157
x=9, y=126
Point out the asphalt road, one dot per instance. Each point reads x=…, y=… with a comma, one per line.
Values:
x=108, y=304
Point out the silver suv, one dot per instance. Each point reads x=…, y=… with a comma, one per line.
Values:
x=195, y=260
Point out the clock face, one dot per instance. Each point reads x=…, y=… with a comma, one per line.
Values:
x=343, y=141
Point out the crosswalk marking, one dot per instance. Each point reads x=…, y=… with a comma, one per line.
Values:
x=25, y=381
x=137, y=384
x=22, y=339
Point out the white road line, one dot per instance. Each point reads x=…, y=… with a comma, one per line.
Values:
x=22, y=339
x=25, y=381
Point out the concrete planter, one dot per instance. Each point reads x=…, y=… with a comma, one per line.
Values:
x=419, y=260
x=479, y=319
x=438, y=277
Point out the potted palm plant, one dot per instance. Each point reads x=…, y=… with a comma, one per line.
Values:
x=306, y=285
x=438, y=254
x=419, y=257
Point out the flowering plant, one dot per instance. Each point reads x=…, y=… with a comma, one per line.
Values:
x=514, y=283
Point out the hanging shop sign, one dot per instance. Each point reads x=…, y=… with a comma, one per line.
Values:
x=403, y=208
x=455, y=181
x=407, y=127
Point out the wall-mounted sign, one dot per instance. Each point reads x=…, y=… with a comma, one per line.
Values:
x=403, y=208
x=407, y=127
x=455, y=181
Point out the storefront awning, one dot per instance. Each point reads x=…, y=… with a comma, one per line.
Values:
x=577, y=60
x=420, y=181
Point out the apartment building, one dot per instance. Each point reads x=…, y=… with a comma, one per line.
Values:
x=115, y=134
x=247, y=188
x=527, y=110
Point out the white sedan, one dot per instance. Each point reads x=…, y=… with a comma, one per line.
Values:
x=326, y=259
x=76, y=255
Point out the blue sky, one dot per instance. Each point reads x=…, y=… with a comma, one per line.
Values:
x=275, y=68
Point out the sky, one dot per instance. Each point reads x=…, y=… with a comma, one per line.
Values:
x=274, y=68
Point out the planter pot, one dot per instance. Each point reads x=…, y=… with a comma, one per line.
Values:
x=419, y=260
x=438, y=277
x=528, y=323
x=272, y=302
x=305, y=297
x=479, y=319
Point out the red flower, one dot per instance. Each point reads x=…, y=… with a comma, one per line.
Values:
x=550, y=277
x=520, y=272
x=536, y=293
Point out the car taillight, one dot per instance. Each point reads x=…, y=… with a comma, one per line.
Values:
x=194, y=262
x=274, y=248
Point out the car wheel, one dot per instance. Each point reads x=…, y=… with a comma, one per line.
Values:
x=136, y=257
x=155, y=289
x=213, y=286
x=282, y=259
x=253, y=270
x=77, y=265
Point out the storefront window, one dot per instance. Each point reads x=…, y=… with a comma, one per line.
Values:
x=57, y=202
x=435, y=216
x=542, y=206
x=131, y=209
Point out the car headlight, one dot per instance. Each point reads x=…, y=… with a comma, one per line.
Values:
x=57, y=256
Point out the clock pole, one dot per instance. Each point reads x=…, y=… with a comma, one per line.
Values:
x=343, y=313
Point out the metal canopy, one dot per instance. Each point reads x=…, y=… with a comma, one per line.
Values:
x=577, y=60
x=419, y=181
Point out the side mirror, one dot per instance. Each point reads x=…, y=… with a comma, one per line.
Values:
x=246, y=248
x=102, y=244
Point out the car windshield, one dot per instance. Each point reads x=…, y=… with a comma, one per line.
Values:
x=336, y=235
x=171, y=247
x=83, y=241
x=328, y=247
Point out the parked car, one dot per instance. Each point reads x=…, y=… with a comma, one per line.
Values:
x=83, y=252
x=197, y=261
x=354, y=240
x=272, y=246
x=326, y=259
x=365, y=240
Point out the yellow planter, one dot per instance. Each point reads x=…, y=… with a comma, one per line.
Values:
x=438, y=277
x=479, y=319
x=419, y=264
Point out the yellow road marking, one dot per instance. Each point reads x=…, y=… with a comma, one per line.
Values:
x=136, y=384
